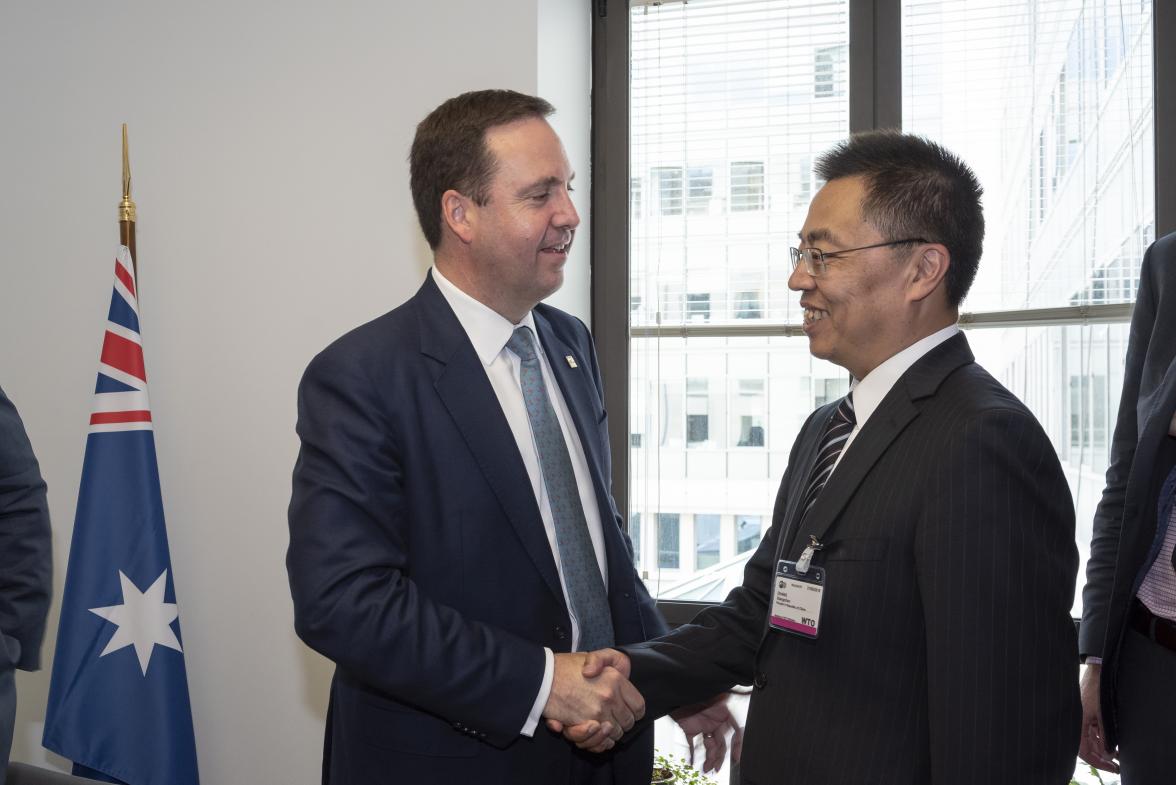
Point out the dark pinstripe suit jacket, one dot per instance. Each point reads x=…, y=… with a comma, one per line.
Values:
x=1142, y=454
x=946, y=650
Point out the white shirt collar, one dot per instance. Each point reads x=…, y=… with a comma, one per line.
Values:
x=869, y=392
x=487, y=329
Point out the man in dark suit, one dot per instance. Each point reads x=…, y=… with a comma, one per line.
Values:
x=26, y=565
x=453, y=537
x=1128, y=632
x=906, y=618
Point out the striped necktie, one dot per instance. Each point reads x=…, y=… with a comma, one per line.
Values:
x=577, y=556
x=841, y=425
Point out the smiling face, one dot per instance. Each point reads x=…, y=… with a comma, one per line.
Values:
x=520, y=237
x=858, y=312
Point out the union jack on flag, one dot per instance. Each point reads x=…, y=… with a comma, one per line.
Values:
x=120, y=397
x=118, y=698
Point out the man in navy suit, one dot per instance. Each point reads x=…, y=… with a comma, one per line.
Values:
x=26, y=564
x=453, y=538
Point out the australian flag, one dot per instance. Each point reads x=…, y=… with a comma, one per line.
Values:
x=118, y=699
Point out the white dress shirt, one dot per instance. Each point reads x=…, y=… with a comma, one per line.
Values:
x=869, y=392
x=489, y=331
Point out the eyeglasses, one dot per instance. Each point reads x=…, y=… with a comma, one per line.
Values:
x=816, y=260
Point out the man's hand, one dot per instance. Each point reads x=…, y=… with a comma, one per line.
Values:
x=1092, y=746
x=711, y=719
x=592, y=735
x=601, y=708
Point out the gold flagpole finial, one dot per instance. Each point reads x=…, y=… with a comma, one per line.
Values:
x=126, y=208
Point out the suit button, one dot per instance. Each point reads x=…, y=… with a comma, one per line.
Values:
x=761, y=680
x=560, y=633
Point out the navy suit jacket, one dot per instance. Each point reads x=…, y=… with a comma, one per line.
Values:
x=26, y=564
x=419, y=563
x=945, y=643
x=1127, y=529
x=26, y=561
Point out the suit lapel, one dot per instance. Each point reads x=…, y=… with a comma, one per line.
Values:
x=465, y=391
x=883, y=427
x=888, y=421
x=573, y=383
x=805, y=457
x=576, y=385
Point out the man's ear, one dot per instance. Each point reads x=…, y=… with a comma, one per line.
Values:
x=458, y=213
x=930, y=269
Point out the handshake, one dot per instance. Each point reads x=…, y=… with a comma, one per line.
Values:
x=593, y=704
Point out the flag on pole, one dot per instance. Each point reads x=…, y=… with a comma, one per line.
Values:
x=118, y=698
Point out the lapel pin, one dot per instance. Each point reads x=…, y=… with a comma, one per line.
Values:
x=571, y=361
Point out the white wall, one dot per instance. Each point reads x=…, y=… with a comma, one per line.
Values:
x=268, y=141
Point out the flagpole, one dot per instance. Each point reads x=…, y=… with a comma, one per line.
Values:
x=126, y=208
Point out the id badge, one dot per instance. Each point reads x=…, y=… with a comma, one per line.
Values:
x=796, y=599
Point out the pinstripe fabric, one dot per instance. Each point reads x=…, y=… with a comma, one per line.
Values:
x=946, y=650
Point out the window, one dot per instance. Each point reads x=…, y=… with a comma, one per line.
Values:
x=635, y=197
x=749, y=305
x=700, y=189
x=706, y=541
x=667, y=540
x=829, y=390
x=697, y=412
x=747, y=186
x=829, y=75
x=1029, y=96
x=749, y=407
x=668, y=182
x=725, y=122
x=747, y=532
x=698, y=308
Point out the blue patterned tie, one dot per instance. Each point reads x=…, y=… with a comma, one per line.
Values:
x=840, y=426
x=581, y=573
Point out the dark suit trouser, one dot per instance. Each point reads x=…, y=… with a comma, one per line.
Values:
x=7, y=715
x=1147, y=712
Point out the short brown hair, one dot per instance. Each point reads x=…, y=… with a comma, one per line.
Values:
x=449, y=149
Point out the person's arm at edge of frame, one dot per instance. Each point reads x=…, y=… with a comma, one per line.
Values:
x=26, y=559
x=1108, y=524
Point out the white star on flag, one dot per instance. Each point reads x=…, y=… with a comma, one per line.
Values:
x=143, y=620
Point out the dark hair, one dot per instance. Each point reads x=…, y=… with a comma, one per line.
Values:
x=449, y=149
x=916, y=188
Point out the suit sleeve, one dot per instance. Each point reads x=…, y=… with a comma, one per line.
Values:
x=996, y=563
x=1108, y=518
x=25, y=548
x=350, y=570
x=717, y=649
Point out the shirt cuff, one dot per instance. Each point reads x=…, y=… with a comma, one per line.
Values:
x=1092, y=661
x=544, y=692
